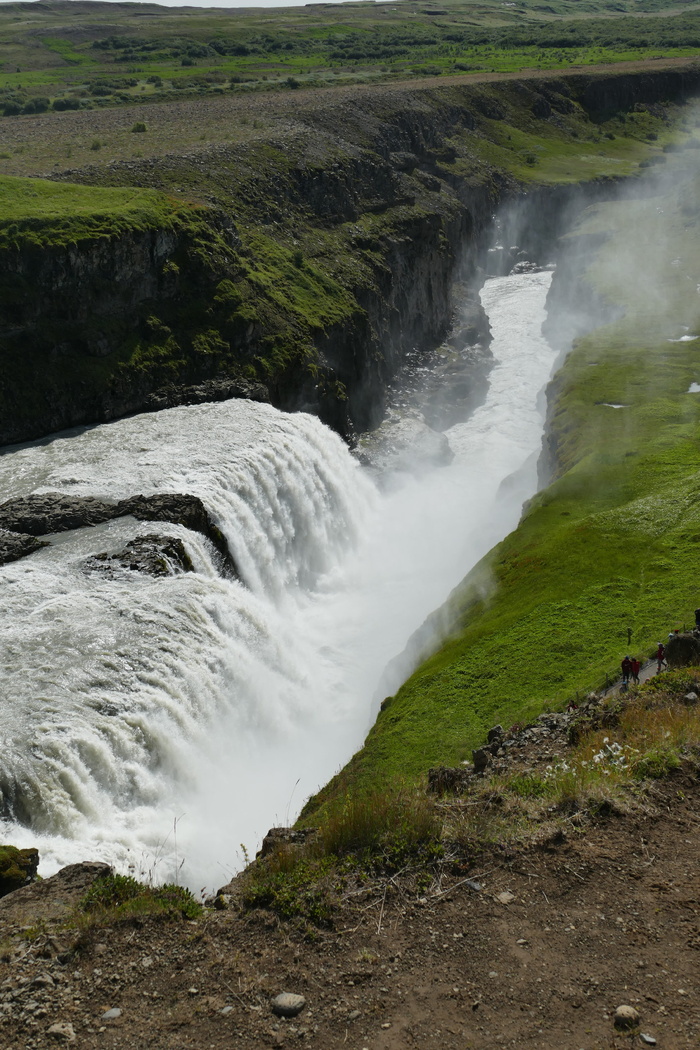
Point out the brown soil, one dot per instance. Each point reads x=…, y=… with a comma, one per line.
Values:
x=46, y=143
x=601, y=919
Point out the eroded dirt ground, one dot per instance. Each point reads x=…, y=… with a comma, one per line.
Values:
x=606, y=917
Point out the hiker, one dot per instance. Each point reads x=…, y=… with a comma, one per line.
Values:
x=660, y=657
x=635, y=670
x=626, y=670
x=697, y=617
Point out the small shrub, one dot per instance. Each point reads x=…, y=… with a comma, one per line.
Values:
x=292, y=82
x=111, y=891
x=60, y=104
x=139, y=127
x=528, y=786
x=95, y=144
x=122, y=896
x=656, y=763
x=298, y=259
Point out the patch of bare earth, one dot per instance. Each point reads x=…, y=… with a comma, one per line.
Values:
x=43, y=144
x=539, y=956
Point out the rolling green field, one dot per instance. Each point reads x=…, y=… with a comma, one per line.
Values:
x=613, y=543
x=120, y=53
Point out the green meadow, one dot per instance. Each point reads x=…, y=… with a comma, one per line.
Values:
x=612, y=544
x=121, y=53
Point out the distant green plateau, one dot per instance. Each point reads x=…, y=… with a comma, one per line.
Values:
x=124, y=53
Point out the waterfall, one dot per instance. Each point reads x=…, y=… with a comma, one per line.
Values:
x=164, y=721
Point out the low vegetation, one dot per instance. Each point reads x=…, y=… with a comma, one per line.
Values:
x=117, y=898
x=163, y=54
x=39, y=213
x=364, y=841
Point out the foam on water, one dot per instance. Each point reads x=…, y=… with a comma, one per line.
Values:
x=150, y=720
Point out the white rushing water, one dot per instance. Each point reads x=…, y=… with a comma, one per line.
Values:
x=156, y=721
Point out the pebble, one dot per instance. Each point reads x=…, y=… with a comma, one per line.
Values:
x=626, y=1017
x=506, y=897
x=111, y=1015
x=62, y=1030
x=287, y=1004
x=226, y=1011
x=353, y=1015
x=648, y=1039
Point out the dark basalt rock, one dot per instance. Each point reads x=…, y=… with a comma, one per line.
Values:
x=46, y=513
x=683, y=650
x=15, y=545
x=211, y=390
x=151, y=555
x=41, y=514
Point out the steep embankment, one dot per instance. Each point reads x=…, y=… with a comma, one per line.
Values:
x=303, y=264
x=611, y=545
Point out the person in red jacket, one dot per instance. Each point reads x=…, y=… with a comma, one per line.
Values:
x=660, y=657
x=635, y=670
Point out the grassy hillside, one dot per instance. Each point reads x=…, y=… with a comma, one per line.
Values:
x=612, y=543
x=63, y=55
x=39, y=212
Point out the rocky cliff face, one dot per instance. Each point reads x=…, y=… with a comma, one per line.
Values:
x=321, y=258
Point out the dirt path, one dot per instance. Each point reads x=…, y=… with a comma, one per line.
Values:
x=538, y=957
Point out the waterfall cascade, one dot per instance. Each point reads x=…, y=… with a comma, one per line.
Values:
x=147, y=721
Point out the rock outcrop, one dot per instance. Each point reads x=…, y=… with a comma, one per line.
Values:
x=683, y=650
x=151, y=555
x=42, y=514
x=18, y=867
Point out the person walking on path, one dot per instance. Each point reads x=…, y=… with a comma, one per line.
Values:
x=626, y=670
x=635, y=670
x=660, y=657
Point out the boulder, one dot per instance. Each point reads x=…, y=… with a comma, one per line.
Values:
x=482, y=759
x=152, y=555
x=52, y=898
x=683, y=650
x=278, y=837
x=16, y=545
x=17, y=868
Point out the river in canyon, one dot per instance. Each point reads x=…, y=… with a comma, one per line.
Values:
x=165, y=723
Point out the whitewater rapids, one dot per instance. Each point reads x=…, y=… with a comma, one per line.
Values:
x=163, y=724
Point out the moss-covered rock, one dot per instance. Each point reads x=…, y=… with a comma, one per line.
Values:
x=17, y=868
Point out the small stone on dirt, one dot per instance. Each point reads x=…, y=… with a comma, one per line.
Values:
x=62, y=1030
x=648, y=1040
x=626, y=1017
x=506, y=897
x=111, y=1015
x=287, y=1004
x=226, y=1011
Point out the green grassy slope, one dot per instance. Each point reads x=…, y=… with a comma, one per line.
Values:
x=611, y=544
x=39, y=212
